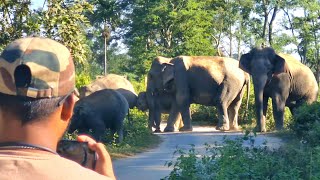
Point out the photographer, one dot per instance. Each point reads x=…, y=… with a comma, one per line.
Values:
x=37, y=83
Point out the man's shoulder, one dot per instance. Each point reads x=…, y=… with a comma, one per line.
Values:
x=51, y=167
x=71, y=170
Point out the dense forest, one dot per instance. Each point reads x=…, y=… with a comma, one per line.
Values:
x=128, y=34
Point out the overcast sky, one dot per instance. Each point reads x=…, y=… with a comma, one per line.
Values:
x=35, y=4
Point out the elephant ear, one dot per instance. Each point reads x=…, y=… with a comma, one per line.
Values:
x=244, y=62
x=280, y=65
x=167, y=73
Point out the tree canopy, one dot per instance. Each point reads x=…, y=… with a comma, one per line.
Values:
x=139, y=30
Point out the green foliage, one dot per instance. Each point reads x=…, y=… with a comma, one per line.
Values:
x=203, y=113
x=65, y=22
x=137, y=136
x=233, y=160
x=306, y=123
x=82, y=79
x=61, y=20
x=13, y=21
x=168, y=28
x=139, y=85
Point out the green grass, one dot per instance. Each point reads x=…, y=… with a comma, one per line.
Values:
x=123, y=150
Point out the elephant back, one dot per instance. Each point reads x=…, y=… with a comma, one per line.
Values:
x=115, y=82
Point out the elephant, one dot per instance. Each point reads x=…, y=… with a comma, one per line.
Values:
x=112, y=81
x=281, y=77
x=207, y=80
x=98, y=111
x=164, y=105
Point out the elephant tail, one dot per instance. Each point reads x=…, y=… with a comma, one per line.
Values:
x=245, y=115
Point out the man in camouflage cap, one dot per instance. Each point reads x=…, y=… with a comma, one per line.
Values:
x=37, y=84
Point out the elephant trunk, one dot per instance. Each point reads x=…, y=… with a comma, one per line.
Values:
x=154, y=112
x=259, y=84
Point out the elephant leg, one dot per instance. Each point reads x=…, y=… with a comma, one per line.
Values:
x=262, y=124
x=179, y=122
x=98, y=132
x=223, y=124
x=157, y=121
x=184, y=108
x=278, y=105
x=187, y=123
x=224, y=101
x=233, y=111
x=118, y=129
x=154, y=119
x=119, y=132
x=279, y=97
x=172, y=119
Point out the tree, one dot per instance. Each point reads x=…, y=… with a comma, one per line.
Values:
x=13, y=20
x=168, y=28
x=64, y=21
x=106, y=20
x=306, y=29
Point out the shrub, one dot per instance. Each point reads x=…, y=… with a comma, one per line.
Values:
x=201, y=113
x=234, y=161
x=306, y=123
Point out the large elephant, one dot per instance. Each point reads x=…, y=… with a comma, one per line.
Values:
x=112, y=81
x=165, y=105
x=281, y=77
x=159, y=102
x=212, y=81
x=98, y=111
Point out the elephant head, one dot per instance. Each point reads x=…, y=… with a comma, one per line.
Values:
x=155, y=78
x=167, y=76
x=142, y=103
x=154, y=89
x=88, y=89
x=262, y=65
x=76, y=121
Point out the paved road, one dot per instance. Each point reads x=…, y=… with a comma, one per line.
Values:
x=151, y=165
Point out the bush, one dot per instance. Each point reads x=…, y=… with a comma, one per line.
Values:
x=201, y=113
x=234, y=161
x=306, y=123
x=137, y=137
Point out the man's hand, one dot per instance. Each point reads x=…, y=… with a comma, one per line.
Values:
x=104, y=163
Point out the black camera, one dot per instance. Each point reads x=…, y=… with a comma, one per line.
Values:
x=78, y=152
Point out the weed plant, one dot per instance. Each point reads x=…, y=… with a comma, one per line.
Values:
x=232, y=160
x=299, y=158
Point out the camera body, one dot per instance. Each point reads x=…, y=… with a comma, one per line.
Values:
x=78, y=152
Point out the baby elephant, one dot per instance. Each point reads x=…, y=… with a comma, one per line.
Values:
x=100, y=110
x=164, y=105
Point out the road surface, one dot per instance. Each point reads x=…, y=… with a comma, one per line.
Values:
x=150, y=165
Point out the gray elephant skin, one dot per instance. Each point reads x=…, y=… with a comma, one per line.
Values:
x=112, y=81
x=211, y=81
x=281, y=77
x=165, y=105
x=100, y=110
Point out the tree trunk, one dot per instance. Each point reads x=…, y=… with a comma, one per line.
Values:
x=271, y=24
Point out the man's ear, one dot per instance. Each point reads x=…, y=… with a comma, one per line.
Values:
x=67, y=107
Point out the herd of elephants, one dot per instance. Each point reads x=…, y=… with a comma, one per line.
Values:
x=175, y=83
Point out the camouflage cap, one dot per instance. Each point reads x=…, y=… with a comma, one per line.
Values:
x=36, y=67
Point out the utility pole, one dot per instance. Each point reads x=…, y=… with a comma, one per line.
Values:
x=106, y=34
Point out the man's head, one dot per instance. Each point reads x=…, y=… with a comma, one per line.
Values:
x=36, y=76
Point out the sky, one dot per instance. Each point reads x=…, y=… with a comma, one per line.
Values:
x=35, y=4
